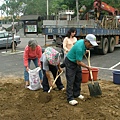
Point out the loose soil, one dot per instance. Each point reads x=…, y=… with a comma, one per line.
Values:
x=18, y=103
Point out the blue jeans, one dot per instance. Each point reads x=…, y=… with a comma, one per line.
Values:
x=26, y=74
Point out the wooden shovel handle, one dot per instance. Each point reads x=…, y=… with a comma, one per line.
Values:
x=88, y=59
x=54, y=82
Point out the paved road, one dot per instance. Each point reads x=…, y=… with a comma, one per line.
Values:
x=12, y=64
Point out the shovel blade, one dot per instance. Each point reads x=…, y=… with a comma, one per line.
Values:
x=94, y=89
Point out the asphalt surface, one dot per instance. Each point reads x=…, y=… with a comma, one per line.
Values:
x=12, y=64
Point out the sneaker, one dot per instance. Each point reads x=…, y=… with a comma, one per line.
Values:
x=73, y=102
x=62, y=89
x=81, y=97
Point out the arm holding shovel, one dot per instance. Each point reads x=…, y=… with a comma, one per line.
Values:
x=49, y=78
x=83, y=64
x=59, y=68
x=59, y=72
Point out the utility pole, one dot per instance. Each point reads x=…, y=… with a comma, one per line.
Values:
x=47, y=10
x=13, y=30
x=7, y=9
x=77, y=10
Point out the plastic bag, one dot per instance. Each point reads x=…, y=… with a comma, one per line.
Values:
x=34, y=79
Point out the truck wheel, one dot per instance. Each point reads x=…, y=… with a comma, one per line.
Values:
x=59, y=41
x=105, y=44
x=97, y=50
x=111, y=44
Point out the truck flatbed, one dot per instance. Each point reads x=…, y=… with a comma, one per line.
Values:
x=80, y=31
x=107, y=35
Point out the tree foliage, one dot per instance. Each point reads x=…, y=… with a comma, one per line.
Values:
x=16, y=7
x=12, y=7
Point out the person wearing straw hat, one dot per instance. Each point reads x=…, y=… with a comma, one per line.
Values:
x=33, y=52
x=73, y=63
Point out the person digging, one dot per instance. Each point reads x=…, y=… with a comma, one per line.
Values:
x=73, y=63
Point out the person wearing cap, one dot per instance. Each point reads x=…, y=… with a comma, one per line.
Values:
x=73, y=63
x=32, y=52
x=51, y=67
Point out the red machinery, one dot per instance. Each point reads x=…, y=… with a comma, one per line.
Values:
x=98, y=6
x=109, y=9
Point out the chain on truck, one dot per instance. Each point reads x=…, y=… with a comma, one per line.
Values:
x=101, y=20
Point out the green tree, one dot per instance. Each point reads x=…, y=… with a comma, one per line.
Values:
x=16, y=7
x=12, y=7
x=35, y=7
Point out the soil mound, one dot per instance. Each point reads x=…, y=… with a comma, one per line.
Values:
x=18, y=103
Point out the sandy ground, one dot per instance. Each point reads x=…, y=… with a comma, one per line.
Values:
x=18, y=103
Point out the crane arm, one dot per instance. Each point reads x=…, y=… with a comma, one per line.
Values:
x=99, y=6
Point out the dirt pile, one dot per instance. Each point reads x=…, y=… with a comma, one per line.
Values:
x=18, y=103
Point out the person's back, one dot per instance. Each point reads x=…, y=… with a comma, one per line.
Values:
x=77, y=51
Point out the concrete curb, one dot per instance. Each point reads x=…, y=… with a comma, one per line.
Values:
x=15, y=52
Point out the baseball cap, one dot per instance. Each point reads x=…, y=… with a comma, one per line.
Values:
x=92, y=39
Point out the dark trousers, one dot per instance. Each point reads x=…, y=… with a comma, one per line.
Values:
x=74, y=78
x=45, y=83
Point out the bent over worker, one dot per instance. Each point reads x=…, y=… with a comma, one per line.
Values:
x=73, y=63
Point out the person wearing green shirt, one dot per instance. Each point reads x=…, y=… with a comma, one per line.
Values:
x=73, y=63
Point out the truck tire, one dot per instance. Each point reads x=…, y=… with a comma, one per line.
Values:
x=59, y=41
x=111, y=44
x=97, y=50
x=105, y=45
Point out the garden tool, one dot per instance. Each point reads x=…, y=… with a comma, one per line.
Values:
x=94, y=87
x=54, y=81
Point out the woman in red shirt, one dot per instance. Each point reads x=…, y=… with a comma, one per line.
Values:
x=32, y=52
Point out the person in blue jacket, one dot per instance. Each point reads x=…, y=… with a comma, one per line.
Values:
x=73, y=63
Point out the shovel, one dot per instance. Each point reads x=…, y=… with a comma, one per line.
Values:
x=94, y=87
x=54, y=81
